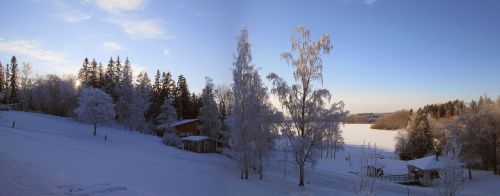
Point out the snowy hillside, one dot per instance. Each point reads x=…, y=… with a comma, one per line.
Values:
x=48, y=155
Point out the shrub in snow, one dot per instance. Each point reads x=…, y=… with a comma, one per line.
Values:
x=172, y=139
x=95, y=106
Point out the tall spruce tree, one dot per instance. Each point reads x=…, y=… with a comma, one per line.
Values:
x=7, y=84
x=155, y=100
x=83, y=74
x=125, y=95
x=109, y=79
x=14, y=84
x=93, y=74
x=183, y=98
x=100, y=74
x=118, y=67
x=2, y=80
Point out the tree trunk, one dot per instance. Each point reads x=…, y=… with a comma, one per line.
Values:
x=260, y=165
x=246, y=166
x=334, y=152
x=470, y=173
x=95, y=127
x=301, y=177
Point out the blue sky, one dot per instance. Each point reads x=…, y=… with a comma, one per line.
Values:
x=388, y=54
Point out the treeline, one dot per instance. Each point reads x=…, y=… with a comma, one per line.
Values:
x=137, y=104
x=475, y=127
x=392, y=121
x=142, y=97
x=399, y=119
x=362, y=118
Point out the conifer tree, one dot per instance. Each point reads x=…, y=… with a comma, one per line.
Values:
x=109, y=79
x=7, y=84
x=118, y=67
x=83, y=74
x=100, y=74
x=125, y=95
x=13, y=81
x=182, y=99
x=155, y=100
x=2, y=80
x=93, y=74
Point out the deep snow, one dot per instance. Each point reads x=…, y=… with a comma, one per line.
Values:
x=48, y=155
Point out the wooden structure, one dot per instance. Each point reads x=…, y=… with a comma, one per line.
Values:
x=200, y=144
x=425, y=170
x=183, y=128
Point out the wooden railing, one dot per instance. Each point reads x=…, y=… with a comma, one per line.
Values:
x=400, y=179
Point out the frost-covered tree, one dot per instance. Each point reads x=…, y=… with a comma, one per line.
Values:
x=167, y=116
x=334, y=139
x=224, y=99
x=308, y=114
x=450, y=181
x=480, y=137
x=95, y=106
x=252, y=117
x=417, y=141
x=366, y=181
x=210, y=124
x=26, y=90
x=140, y=102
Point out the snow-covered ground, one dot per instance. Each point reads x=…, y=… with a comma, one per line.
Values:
x=48, y=155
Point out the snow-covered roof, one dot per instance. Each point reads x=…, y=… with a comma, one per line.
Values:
x=181, y=122
x=177, y=123
x=195, y=138
x=430, y=162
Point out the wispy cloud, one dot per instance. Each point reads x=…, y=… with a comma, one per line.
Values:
x=166, y=51
x=143, y=29
x=33, y=50
x=74, y=15
x=117, y=6
x=370, y=2
x=111, y=46
x=69, y=13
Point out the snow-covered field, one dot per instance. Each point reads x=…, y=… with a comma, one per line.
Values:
x=48, y=155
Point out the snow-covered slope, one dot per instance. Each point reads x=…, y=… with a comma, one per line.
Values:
x=48, y=155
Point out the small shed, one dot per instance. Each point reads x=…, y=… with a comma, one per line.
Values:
x=427, y=169
x=199, y=144
x=183, y=128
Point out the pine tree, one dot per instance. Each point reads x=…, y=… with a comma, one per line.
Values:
x=118, y=67
x=83, y=74
x=93, y=74
x=167, y=86
x=101, y=76
x=109, y=79
x=155, y=100
x=2, y=80
x=125, y=95
x=14, y=84
x=182, y=100
x=7, y=84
